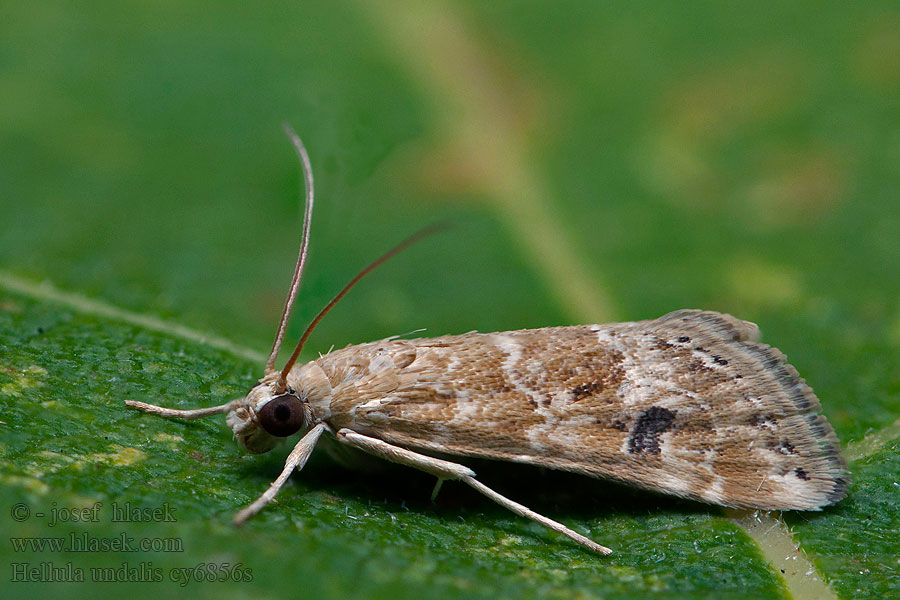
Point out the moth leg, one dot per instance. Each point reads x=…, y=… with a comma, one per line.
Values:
x=437, y=488
x=443, y=469
x=295, y=461
x=526, y=512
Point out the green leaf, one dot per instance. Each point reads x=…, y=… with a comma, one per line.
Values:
x=72, y=443
x=599, y=163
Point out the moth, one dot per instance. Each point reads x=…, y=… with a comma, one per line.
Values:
x=689, y=404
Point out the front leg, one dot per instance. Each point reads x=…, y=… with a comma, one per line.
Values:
x=295, y=461
x=443, y=469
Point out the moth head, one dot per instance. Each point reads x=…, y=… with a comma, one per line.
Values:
x=273, y=409
x=298, y=396
x=266, y=415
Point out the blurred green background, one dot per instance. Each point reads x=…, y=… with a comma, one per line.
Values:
x=598, y=163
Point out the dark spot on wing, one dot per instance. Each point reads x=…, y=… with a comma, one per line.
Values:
x=662, y=344
x=784, y=447
x=612, y=376
x=719, y=360
x=653, y=422
x=684, y=339
x=697, y=366
x=801, y=474
x=586, y=389
x=762, y=421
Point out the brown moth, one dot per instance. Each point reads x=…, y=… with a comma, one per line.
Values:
x=688, y=404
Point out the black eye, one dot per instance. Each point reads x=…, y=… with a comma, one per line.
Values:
x=283, y=415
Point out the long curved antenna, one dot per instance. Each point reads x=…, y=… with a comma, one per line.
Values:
x=418, y=236
x=304, y=247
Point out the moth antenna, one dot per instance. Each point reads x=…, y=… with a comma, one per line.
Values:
x=304, y=247
x=178, y=413
x=416, y=237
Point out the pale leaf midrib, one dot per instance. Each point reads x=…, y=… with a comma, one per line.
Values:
x=46, y=291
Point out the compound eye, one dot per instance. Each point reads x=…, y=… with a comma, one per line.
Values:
x=283, y=415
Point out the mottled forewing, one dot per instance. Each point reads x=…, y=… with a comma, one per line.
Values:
x=688, y=404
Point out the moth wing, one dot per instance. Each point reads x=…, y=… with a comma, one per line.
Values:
x=687, y=404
